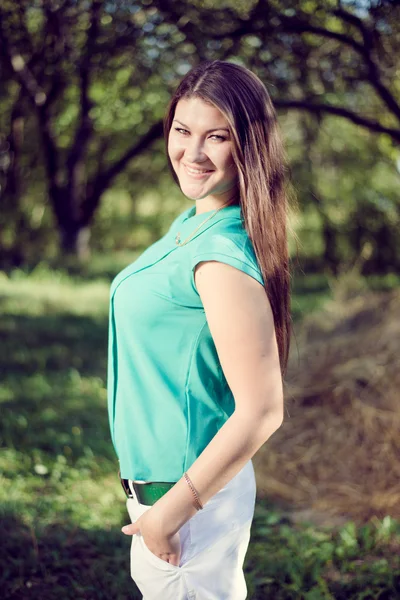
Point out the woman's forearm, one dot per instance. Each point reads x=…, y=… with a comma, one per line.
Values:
x=230, y=449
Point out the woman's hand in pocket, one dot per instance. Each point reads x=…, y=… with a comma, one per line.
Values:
x=165, y=546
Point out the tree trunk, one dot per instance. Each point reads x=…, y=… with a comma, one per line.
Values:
x=11, y=191
x=74, y=241
x=330, y=255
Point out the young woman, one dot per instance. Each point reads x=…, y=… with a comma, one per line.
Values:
x=199, y=340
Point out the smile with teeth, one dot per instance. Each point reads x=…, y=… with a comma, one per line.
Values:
x=197, y=171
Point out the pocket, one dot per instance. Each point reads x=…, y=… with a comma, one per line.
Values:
x=156, y=560
x=135, y=511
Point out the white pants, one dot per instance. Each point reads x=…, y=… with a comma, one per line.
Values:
x=214, y=543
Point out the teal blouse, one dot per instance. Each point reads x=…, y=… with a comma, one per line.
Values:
x=167, y=393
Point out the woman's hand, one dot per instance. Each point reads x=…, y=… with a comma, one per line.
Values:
x=164, y=545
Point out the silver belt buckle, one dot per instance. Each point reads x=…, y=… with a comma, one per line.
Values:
x=131, y=485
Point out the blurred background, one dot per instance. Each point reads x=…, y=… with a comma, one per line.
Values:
x=85, y=188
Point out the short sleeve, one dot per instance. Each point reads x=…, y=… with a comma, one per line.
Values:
x=235, y=252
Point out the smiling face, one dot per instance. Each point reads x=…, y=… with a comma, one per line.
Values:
x=199, y=140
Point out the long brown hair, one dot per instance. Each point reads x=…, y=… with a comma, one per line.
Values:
x=262, y=171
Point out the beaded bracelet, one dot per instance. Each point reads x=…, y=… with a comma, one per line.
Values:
x=197, y=502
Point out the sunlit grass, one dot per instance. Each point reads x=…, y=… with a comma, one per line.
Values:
x=61, y=506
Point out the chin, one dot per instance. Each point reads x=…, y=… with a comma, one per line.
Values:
x=192, y=197
x=191, y=191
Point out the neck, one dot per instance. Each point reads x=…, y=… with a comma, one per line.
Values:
x=223, y=205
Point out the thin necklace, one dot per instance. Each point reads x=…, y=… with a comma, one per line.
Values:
x=177, y=237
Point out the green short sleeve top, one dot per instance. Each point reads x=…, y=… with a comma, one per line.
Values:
x=167, y=393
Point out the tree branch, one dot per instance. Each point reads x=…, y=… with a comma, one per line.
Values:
x=374, y=74
x=102, y=179
x=84, y=128
x=339, y=112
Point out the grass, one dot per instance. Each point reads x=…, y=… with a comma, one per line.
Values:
x=61, y=507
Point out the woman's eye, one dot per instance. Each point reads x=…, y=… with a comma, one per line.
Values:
x=179, y=130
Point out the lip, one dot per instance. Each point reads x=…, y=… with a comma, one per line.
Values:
x=197, y=175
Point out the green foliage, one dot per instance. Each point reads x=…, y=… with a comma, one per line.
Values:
x=307, y=562
x=347, y=186
x=108, y=74
x=61, y=506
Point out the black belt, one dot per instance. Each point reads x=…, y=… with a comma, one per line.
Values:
x=147, y=493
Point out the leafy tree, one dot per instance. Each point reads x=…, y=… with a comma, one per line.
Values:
x=87, y=83
x=79, y=71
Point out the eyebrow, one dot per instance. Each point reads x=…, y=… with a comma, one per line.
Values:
x=209, y=130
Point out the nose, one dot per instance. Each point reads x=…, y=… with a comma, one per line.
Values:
x=194, y=151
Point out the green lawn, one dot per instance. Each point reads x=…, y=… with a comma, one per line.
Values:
x=60, y=500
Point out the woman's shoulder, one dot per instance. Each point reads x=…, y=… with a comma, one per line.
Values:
x=226, y=237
